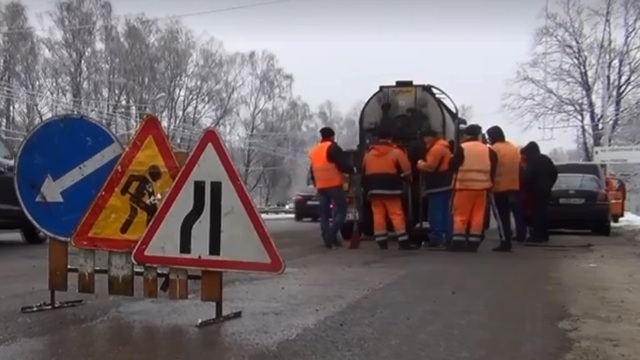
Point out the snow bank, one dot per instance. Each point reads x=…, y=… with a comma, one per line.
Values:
x=629, y=221
x=277, y=216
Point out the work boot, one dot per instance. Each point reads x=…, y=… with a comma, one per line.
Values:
x=383, y=245
x=407, y=245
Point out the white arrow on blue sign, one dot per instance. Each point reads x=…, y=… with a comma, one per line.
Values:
x=60, y=168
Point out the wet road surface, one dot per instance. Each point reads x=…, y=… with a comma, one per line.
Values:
x=341, y=304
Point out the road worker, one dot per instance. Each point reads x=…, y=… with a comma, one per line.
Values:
x=437, y=187
x=506, y=188
x=328, y=164
x=539, y=177
x=386, y=169
x=474, y=164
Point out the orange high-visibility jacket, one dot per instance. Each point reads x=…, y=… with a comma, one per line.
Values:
x=325, y=173
x=475, y=171
x=508, y=168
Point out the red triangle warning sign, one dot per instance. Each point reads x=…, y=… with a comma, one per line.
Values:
x=208, y=220
x=129, y=199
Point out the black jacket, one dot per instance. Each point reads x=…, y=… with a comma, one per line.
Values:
x=540, y=173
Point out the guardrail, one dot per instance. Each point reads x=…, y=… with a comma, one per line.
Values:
x=274, y=210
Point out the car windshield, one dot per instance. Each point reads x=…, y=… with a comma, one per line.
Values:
x=577, y=181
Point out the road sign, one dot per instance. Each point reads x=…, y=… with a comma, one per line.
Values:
x=130, y=197
x=208, y=220
x=617, y=154
x=60, y=168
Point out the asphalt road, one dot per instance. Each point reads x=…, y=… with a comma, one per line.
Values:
x=330, y=304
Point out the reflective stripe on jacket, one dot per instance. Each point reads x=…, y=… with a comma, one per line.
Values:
x=325, y=173
x=383, y=167
x=475, y=171
x=508, y=167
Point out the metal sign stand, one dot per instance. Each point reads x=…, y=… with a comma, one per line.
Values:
x=58, y=258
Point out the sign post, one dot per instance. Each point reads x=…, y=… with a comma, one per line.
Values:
x=60, y=167
x=126, y=204
x=149, y=205
x=209, y=222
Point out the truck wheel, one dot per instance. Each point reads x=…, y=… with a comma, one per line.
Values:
x=347, y=230
x=32, y=235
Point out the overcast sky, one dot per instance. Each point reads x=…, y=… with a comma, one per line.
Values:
x=343, y=50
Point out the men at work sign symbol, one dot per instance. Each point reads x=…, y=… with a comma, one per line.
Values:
x=132, y=194
x=143, y=196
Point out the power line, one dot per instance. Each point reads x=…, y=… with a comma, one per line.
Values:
x=157, y=18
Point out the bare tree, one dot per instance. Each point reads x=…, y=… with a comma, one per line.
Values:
x=18, y=68
x=328, y=115
x=584, y=71
x=117, y=70
x=348, y=130
x=465, y=112
x=266, y=86
x=76, y=23
x=281, y=158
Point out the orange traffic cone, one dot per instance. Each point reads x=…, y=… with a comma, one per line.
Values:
x=354, y=244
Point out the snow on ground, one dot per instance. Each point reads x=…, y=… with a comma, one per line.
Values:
x=629, y=221
x=277, y=216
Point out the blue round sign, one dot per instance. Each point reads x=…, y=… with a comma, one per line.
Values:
x=60, y=168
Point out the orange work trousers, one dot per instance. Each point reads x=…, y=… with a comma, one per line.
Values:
x=383, y=206
x=469, y=208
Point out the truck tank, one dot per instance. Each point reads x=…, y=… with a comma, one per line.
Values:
x=411, y=108
x=408, y=109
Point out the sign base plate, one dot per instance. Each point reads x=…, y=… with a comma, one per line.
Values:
x=52, y=304
x=219, y=319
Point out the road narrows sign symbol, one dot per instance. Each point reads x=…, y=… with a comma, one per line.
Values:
x=129, y=199
x=208, y=220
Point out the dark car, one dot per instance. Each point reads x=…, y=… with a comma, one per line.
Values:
x=306, y=205
x=580, y=202
x=11, y=215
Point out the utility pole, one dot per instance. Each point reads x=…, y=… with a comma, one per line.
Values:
x=605, y=140
x=606, y=128
x=546, y=61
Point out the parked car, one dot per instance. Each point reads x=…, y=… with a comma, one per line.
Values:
x=306, y=205
x=617, y=191
x=580, y=202
x=12, y=217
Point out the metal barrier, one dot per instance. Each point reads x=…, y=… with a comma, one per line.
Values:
x=275, y=210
